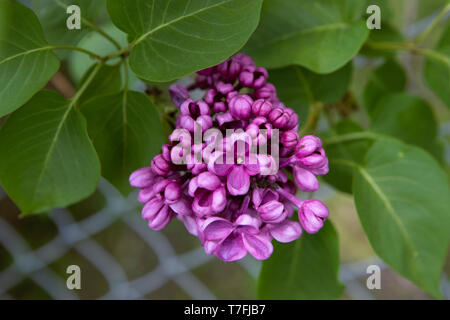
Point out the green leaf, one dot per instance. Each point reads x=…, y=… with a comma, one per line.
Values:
x=175, y=38
x=50, y=160
x=409, y=119
x=53, y=16
x=437, y=69
x=107, y=80
x=402, y=198
x=126, y=132
x=26, y=60
x=299, y=88
x=388, y=78
x=303, y=269
x=321, y=35
x=341, y=175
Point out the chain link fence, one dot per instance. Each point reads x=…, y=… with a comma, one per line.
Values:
x=77, y=234
x=121, y=258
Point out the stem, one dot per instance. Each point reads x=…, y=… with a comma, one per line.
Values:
x=121, y=53
x=125, y=75
x=365, y=135
x=63, y=85
x=87, y=82
x=313, y=118
x=433, y=24
x=75, y=48
x=411, y=47
x=408, y=46
x=102, y=33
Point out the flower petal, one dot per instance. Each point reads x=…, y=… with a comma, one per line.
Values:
x=216, y=229
x=258, y=246
x=305, y=180
x=286, y=231
x=152, y=208
x=141, y=178
x=232, y=248
x=219, y=200
x=183, y=206
x=272, y=212
x=190, y=223
x=208, y=180
x=238, y=181
x=146, y=194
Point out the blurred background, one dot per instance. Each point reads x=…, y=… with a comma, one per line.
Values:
x=121, y=258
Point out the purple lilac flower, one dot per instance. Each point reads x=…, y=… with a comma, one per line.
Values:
x=228, y=197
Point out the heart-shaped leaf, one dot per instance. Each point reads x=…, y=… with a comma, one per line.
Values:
x=340, y=175
x=321, y=35
x=388, y=78
x=26, y=60
x=50, y=160
x=402, y=198
x=107, y=80
x=174, y=38
x=298, y=88
x=126, y=132
x=303, y=269
x=437, y=69
x=53, y=16
x=409, y=119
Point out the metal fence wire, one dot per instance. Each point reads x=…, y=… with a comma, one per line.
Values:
x=174, y=267
x=167, y=265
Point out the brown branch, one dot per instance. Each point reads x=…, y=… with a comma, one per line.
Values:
x=61, y=83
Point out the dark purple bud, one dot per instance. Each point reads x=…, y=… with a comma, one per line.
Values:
x=194, y=108
x=279, y=118
x=289, y=138
x=312, y=215
x=159, y=165
x=307, y=145
x=178, y=94
x=157, y=213
x=267, y=91
x=142, y=178
x=207, y=71
x=253, y=77
x=172, y=193
x=241, y=106
x=261, y=107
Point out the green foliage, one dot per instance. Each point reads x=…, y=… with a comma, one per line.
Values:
x=26, y=60
x=53, y=150
x=52, y=15
x=106, y=80
x=50, y=160
x=402, y=199
x=300, y=88
x=174, y=38
x=437, y=70
x=126, y=138
x=341, y=175
x=303, y=269
x=388, y=78
x=321, y=35
x=80, y=62
x=408, y=118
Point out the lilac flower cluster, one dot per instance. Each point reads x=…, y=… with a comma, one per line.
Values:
x=234, y=208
